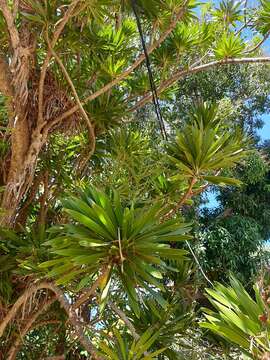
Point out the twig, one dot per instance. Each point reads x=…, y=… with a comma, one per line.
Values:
x=45, y=65
x=186, y=196
x=91, y=131
x=266, y=36
x=128, y=323
x=90, y=292
x=88, y=122
x=243, y=27
x=198, y=263
x=16, y=346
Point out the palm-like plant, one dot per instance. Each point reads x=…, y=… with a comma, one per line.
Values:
x=203, y=148
x=229, y=12
x=118, y=348
x=263, y=21
x=229, y=46
x=240, y=319
x=125, y=241
x=170, y=320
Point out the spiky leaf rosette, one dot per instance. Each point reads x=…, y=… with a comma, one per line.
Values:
x=120, y=349
x=126, y=240
x=239, y=318
x=204, y=147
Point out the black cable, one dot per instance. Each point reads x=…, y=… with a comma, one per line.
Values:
x=150, y=74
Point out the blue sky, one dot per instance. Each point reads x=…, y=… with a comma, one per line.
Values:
x=264, y=134
x=265, y=131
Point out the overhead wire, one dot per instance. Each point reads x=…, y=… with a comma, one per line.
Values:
x=158, y=110
x=150, y=73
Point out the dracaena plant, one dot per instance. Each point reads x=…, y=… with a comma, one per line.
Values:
x=239, y=318
x=204, y=147
x=119, y=348
x=120, y=241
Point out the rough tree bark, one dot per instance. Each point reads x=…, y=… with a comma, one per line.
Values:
x=26, y=143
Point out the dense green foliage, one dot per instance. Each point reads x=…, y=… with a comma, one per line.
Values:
x=104, y=247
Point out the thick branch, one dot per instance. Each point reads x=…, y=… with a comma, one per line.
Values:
x=177, y=75
x=13, y=32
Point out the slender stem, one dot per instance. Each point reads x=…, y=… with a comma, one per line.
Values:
x=128, y=323
x=186, y=196
x=46, y=62
x=91, y=291
x=17, y=344
x=198, y=263
x=84, y=114
x=266, y=36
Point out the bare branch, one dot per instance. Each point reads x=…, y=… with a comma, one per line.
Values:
x=45, y=65
x=128, y=323
x=193, y=70
x=72, y=317
x=266, y=36
x=16, y=346
x=87, y=294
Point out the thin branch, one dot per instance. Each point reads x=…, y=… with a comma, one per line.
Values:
x=128, y=323
x=266, y=36
x=242, y=27
x=175, y=19
x=45, y=65
x=181, y=202
x=198, y=264
x=87, y=294
x=16, y=346
x=84, y=114
x=169, y=82
x=177, y=75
